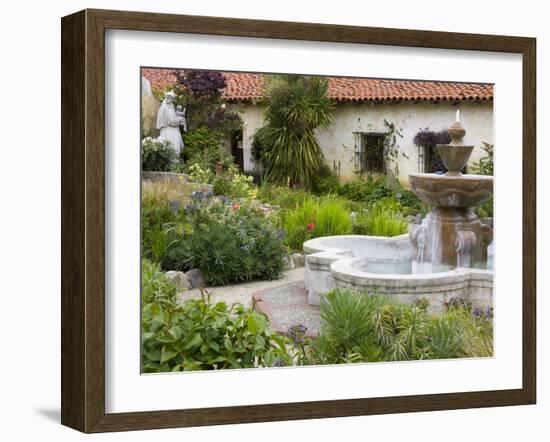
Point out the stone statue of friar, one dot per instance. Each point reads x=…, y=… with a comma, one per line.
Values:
x=169, y=121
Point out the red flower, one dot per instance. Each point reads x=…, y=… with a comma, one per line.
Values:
x=236, y=206
x=310, y=227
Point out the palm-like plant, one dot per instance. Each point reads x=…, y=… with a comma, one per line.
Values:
x=296, y=107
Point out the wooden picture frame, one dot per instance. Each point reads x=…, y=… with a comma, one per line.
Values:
x=83, y=220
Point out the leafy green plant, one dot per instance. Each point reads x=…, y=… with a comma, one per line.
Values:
x=154, y=235
x=234, y=243
x=233, y=185
x=205, y=155
x=313, y=219
x=485, y=165
x=283, y=197
x=362, y=328
x=155, y=286
x=199, y=174
x=368, y=190
x=202, y=140
x=380, y=220
x=325, y=182
x=201, y=335
x=157, y=155
x=289, y=152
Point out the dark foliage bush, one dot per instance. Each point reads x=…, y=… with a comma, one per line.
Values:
x=430, y=139
x=367, y=190
x=203, y=83
x=228, y=243
x=235, y=244
x=156, y=155
x=325, y=182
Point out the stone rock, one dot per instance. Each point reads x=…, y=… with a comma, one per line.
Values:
x=288, y=262
x=179, y=279
x=195, y=279
x=298, y=259
x=149, y=109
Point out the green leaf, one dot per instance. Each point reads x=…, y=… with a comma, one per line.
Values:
x=165, y=339
x=227, y=344
x=153, y=355
x=252, y=325
x=193, y=340
x=167, y=354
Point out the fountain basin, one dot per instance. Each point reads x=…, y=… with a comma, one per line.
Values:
x=451, y=190
x=384, y=266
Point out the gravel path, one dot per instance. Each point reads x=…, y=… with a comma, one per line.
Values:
x=242, y=293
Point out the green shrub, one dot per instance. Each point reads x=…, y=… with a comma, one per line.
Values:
x=410, y=204
x=485, y=165
x=177, y=254
x=155, y=286
x=157, y=155
x=325, y=182
x=233, y=185
x=234, y=244
x=379, y=221
x=283, y=197
x=367, y=190
x=485, y=210
x=362, y=328
x=202, y=140
x=204, y=155
x=154, y=236
x=313, y=219
x=200, y=335
x=228, y=243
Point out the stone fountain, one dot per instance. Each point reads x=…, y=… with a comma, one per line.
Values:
x=449, y=254
x=451, y=235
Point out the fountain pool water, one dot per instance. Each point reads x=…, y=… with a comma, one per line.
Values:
x=449, y=254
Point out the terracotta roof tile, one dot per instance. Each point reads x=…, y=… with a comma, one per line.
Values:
x=246, y=87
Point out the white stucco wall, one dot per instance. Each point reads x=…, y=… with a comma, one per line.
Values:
x=253, y=119
x=338, y=142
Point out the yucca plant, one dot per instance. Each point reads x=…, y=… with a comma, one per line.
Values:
x=358, y=327
x=296, y=106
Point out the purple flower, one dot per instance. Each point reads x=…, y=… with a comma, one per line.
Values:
x=297, y=333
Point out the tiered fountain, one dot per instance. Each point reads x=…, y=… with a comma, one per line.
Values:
x=445, y=256
x=451, y=235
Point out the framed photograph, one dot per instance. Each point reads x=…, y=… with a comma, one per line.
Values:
x=266, y=221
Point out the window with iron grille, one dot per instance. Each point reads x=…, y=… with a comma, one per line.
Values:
x=371, y=153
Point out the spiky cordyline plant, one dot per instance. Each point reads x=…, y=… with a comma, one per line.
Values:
x=296, y=107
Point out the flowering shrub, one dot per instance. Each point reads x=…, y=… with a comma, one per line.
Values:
x=234, y=185
x=227, y=242
x=198, y=174
x=157, y=155
x=233, y=244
